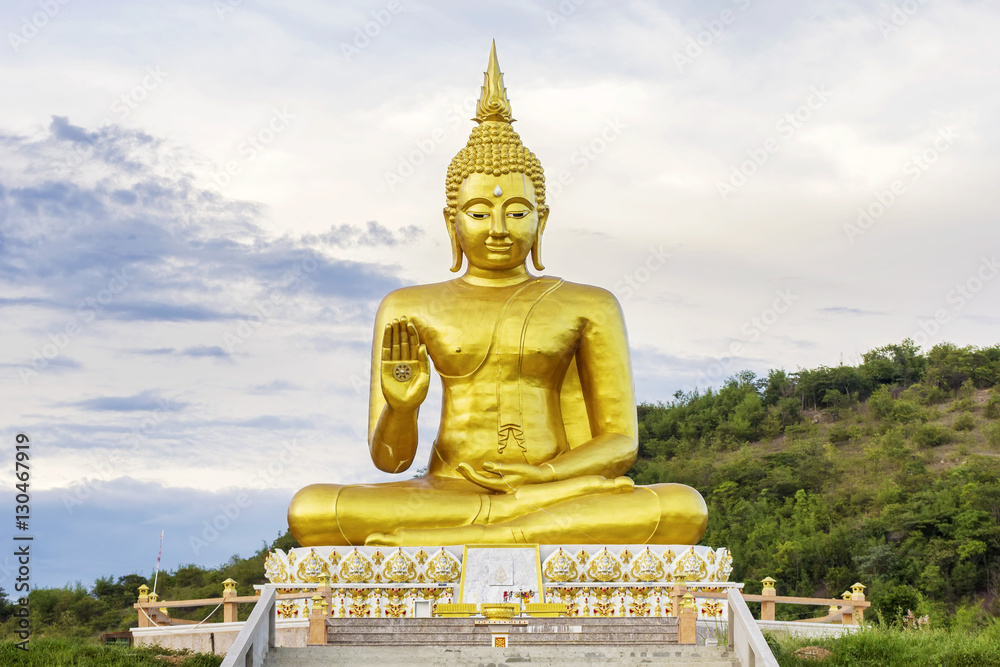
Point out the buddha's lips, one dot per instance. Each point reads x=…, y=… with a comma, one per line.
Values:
x=499, y=247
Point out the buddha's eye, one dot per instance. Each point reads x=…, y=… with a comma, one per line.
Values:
x=517, y=214
x=477, y=215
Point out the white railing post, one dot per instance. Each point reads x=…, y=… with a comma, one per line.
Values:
x=257, y=635
x=745, y=637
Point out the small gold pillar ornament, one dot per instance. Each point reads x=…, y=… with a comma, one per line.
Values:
x=229, y=609
x=687, y=627
x=342, y=610
x=848, y=618
x=327, y=592
x=143, y=614
x=317, y=622
x=858, y=594
x=676, y=595
x=767, y=606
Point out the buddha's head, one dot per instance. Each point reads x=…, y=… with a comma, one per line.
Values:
x=495, y=187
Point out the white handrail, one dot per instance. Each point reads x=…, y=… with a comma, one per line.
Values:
x=745, y=638
x=257, y=636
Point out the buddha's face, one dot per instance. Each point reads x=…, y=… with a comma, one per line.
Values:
x=497, y=220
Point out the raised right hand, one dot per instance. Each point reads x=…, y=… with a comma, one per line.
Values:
x=406, y=372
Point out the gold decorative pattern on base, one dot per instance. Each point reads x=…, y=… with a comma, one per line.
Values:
x=636, y=568
x=560, y=567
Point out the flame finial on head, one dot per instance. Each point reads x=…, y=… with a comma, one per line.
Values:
x=493, y=102
x=494, y=148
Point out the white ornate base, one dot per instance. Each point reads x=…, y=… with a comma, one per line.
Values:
x=598, y=580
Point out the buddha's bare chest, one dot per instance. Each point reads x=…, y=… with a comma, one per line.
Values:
x=465, y=337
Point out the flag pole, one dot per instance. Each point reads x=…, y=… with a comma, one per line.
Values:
x=158, y=555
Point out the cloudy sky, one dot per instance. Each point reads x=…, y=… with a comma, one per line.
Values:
x=201, y=204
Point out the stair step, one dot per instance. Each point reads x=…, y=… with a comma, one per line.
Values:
x=453, y=632
x=680, y=656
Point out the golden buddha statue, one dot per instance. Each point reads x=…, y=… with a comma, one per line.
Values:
x=538, y=418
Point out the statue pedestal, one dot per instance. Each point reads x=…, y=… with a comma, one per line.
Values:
x=591, y=580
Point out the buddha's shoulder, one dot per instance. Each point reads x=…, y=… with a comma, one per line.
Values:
x=415, y=294
x=596, y=296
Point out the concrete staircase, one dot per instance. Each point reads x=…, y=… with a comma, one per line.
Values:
x=544, y=641
x=486, y=656
x=588, y=631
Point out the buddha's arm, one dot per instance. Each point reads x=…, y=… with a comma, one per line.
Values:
x=605, y=368
x=394, y=404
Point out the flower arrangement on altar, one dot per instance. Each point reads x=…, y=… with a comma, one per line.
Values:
x=521, y=595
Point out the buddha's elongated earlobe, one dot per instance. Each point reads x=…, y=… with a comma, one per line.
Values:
x=456, y=248
x=536, y=247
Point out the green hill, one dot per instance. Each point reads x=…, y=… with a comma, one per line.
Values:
x=885, y=473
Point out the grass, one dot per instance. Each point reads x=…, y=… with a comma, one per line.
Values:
x=887, y=646
x=46, y=652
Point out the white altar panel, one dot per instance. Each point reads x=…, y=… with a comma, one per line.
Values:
x=490, y=570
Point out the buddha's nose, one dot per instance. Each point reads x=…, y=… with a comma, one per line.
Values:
x=498, y=227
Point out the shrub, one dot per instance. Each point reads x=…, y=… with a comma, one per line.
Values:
x=962, y=405
x=992, y=410
x=932, y=435
x=839, y=433
x=891, y=606
x=965, y=422
x=925, y=394
x=882, y=403
x=905, y=412
x=967, y=390
x=993, y=434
